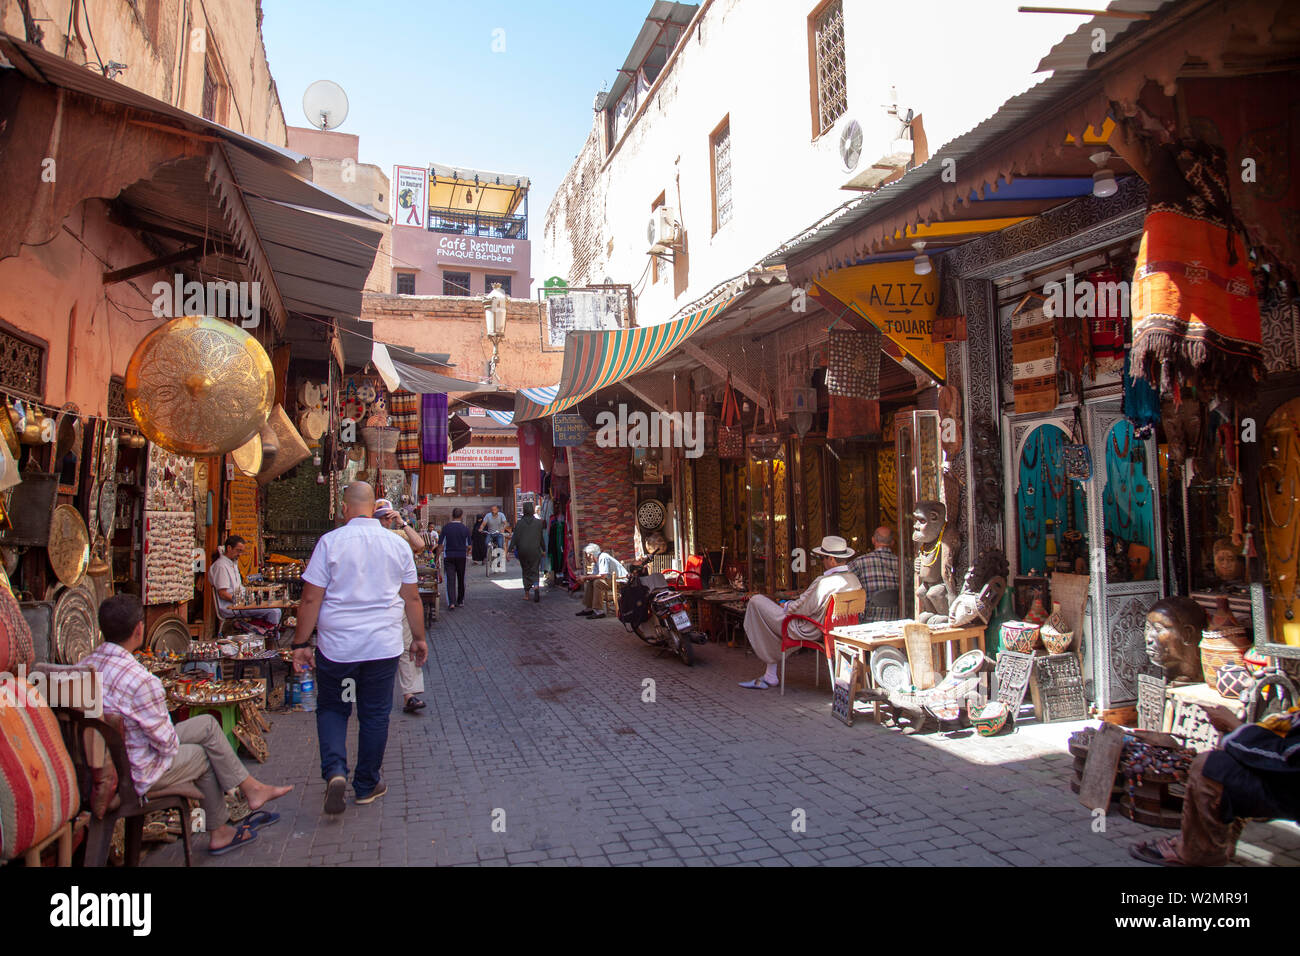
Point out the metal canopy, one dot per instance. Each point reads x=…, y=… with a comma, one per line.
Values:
x=663, y=16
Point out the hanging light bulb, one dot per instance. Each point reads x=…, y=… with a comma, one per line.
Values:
x=469, y=195
x=921, y=264
x=320, y=478
x=1103, y=178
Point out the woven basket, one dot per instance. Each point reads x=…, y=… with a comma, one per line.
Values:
x=1220, y=648
x=1019, y=636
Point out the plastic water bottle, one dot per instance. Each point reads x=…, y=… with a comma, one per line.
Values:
x=307, y=693
x=293, y=690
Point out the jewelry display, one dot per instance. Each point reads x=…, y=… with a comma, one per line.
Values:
x=168, y=561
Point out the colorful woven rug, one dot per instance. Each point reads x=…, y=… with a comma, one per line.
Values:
x=404, y=412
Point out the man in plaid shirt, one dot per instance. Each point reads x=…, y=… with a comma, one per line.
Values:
x=878, y=571
x=164, y=755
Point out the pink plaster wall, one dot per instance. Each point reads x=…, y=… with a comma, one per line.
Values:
x=325, y=144
x=418, y=250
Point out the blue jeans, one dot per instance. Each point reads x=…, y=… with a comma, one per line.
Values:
x=496, y=539
x=373, y=693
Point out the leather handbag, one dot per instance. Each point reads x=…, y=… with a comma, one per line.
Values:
x=1078, y=456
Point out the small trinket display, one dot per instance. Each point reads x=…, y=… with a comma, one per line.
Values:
x=218, y=692
x=204, y=651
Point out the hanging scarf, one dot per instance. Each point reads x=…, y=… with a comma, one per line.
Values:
x=1141, y=402
x=433, y=427
x=1195, y=312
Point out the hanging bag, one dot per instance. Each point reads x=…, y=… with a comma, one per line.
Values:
x=1078, y=456
x=731, y=439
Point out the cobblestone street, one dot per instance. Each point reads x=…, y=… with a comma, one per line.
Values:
x=536, y=720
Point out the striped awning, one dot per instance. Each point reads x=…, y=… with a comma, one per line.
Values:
x=596, y=360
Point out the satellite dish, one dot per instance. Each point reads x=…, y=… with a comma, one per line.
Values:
x=325, y=104
x=851, y=145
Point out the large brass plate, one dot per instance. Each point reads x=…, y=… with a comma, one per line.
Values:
x=76, y=628
x=69, y=545
x=198, y=385
x=170, y=633
x=248, y=457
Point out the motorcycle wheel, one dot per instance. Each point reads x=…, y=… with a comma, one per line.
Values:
x=685, y=650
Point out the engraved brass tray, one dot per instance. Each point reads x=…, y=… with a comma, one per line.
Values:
x=76, y=627
x=248, y=457
x=69, y=545
x=198, y=385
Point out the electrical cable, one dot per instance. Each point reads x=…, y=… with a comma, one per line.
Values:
x=85, y=15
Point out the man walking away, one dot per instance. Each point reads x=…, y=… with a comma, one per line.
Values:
x=530, y=545
x=455, y=548
x=359, y=582
x=410, y=679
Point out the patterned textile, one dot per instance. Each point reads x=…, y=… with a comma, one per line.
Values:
x=15, y=636
x=878, y=571
x=38, y=784
x=1107, y=329
x=854, y=363
x=530, y=467
x=1033, y=357
x=853, y=418
x=430, y=482
x=130, y=690
x=1280, y=313
x=404, y=413
x=1195, y=312
x=433, y=428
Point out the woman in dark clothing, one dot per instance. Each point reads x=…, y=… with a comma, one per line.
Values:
x=478, y=543
x=529, y=544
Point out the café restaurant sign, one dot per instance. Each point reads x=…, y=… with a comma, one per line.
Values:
x=471, y=251
x=484, y=457
x=897, y=301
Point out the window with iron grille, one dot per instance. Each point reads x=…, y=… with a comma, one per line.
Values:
x=720, y=147
x=406, y=283
x=455, y=283
x=504, y=280
x=828, y=66
x=117, y=409
x=211, y=89
x=22, y=365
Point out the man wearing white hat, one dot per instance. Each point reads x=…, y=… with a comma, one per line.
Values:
x=764, y=617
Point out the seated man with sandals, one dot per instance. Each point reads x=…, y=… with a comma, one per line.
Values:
x=764, y=617
x=163, y=754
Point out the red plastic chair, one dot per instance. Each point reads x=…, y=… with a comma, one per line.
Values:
x=692, y=579
x=843, y=609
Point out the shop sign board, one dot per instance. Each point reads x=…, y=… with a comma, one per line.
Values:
x=409, y=186
x=473, y=251
x=484, y=457
x=902, y=304
x=568, y=430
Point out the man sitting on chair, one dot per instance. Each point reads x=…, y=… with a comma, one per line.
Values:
x=764, y=617
x=595, y=586
x=878, y=571
x=225, y=579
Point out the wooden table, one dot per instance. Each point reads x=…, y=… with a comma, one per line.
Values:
x=857, y=641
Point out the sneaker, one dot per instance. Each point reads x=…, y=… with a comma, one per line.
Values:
x=374, y=794
x=585, y=612
x=336, y=795
x=597, y=615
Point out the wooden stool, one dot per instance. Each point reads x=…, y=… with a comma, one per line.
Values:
x=63, y=835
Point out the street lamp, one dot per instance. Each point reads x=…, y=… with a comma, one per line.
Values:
x=494, y=314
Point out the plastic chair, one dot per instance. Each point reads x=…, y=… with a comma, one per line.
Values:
x=844, y=608
x=126, y=803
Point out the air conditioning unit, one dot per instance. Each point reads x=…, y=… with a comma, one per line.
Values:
x=664, y=231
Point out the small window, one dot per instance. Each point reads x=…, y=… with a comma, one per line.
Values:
x=211, y=91
x=406, y=283
x=455, y=283
x=449, y=482
x=504, y=280
x=826, y=49
x=720, y=157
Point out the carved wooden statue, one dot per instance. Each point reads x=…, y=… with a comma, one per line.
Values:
x=982, y=591
x=934, y=582
x=1173, y=638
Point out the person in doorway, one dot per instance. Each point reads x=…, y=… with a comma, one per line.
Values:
x=764, y=617
x=1254, y=772
x=358, y=585
x=164, y=755
x=410, y=679
x=494, y=526
x=454, y=542
x=227, y=581
x=878, y=571
x=529, y=543
x=596, y=583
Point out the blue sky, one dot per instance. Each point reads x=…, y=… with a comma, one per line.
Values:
x=425, y=85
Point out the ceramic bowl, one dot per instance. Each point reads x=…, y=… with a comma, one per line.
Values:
x=1056, y=642
x=990, y=718
x=1019, y=636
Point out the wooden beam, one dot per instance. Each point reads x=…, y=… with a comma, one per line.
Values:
x=140, y=268
x=1117, y=14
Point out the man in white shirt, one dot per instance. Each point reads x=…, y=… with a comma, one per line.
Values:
x=764, y=617
x=224, y=576
x=494, y=525
x=359, y=583
x=595, y=586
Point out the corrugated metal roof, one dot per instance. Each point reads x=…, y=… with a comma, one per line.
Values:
x=1075, y=51
x=663, y=10
x=1012, y=114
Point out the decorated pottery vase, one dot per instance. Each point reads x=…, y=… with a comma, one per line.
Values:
x=1235, y=681
x=1037, y=612
x=990, y=718
x=1221, y=648
x=1056, y=634
x=1019, y=636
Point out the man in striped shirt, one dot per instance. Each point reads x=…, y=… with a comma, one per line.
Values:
x=162, y=754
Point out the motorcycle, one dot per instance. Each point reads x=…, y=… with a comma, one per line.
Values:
x=665, y=623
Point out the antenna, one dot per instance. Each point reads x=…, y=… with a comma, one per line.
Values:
x=325, y=104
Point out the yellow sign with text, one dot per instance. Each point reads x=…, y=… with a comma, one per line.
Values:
x=897, y=301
